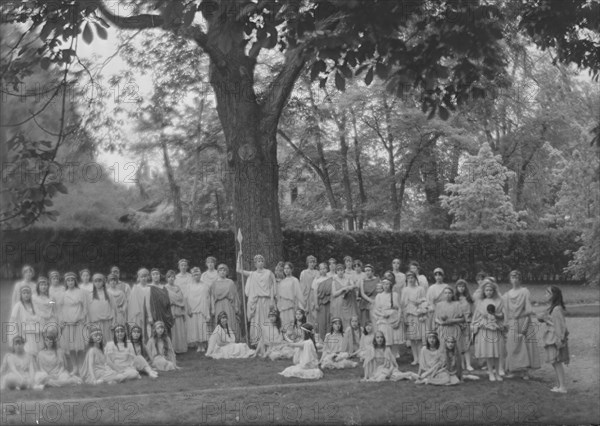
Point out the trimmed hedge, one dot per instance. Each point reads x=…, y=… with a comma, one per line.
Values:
x=541, y=256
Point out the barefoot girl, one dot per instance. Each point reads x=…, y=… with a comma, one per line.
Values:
x=488, y=327
x=556, y=336
x=388, y=316
x=380, y=364
x=306, y=362
x=160, y=349
x=333, y=355
x=73, y=314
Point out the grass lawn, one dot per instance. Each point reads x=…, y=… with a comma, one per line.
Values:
x=251, y=391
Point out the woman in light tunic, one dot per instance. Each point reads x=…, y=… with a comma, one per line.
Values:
x=138, y=311
x=73, y=312
x=522, y=351
x=321, y=291
x=334, y=355
x=449, y=317
x=102, y=310
x=96, y=368
x=380, y=364
x=414, y=306
x=211, y=274
x=24, y=322
x=306, y=361
x=45, y=309
x=289, y=296
x=260, y=295
x=387, y=314
x=160, y=349
x=221, y=344
x=198, y=305
x=86, y=285
x=368, y=291
x=52, y=362
x=57, y=289
x=225, y=298
x=18, y=368
x=178, y=310
x=122, y=356
x=343, y=304
x=307, y=277
x=119, y=298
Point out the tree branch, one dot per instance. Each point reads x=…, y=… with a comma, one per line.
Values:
x=136, y=22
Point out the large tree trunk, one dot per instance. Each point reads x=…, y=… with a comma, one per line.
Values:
x=361, y=186
x=350, y=214
x=396, y=204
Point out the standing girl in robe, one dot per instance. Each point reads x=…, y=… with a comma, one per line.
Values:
x=160, y=303
x=260, y=296
x=488, y=328
x=121, y=285
x=18, y=367
x=225, y=298
x=27, y=274
x=222, y=345
x=354, y=279
x=211, y=274
x=380, y=364
x=368, y=291
x=183, y=280
x=448, y=317
x=334, y=355
x=289, y=296
x=198, y=310
x=556, y=336
x=96, y=368
x=306, y=362
x=119, y=298
x=86, y=285
x=332, y=267
x=138, y=310
x=52, y=362
x=414, y=306
x=435, y=294
x=400, y=277
x=25, y=322
x=388, y=316
x=344, y=300
x=307, y=277
x=178, y=310
x=122, y=357
x=321, y=291
x=522, y=349
x=73, y=315
x=101, y=307
x=57, y=289
x=45, y=308
x=160, y=349
x=415, y=268
x=466, y=304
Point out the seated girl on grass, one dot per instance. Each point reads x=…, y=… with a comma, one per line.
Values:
x=333, y=355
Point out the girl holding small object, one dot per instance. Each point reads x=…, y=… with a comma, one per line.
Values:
x=380, y=364
x=221, y=344
x=522, y=349
x=306, y=362
x=321, y=290
x=260, y=296
x=26, y=322
x=366, y=340
x=211, y=274
x=307, y=277
x=333, y=355
x=122, y=357
x=414, y=305
x=488, y=328
x=177, y=300
x=289, y=296
x=45, y=308
x=27, y=274
x=466, y=305
x=102, y=311
x=556, y=336
x=18, y=367
x=119, y=298
x=73, y=310
x=52, y=362
x=198, y=309
x=160, y=349
x=96, y=368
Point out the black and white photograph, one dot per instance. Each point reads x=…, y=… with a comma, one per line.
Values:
x=284, y=212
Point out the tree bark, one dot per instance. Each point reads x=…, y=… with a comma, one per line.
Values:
x=361, y=187
x=174, y=188
x=350, y=213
